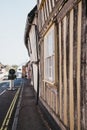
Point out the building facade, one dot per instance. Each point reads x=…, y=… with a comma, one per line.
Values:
x=63, y=61
x=30, y=39
x=62, y=48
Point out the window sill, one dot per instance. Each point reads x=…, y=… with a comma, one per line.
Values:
x=51, y=83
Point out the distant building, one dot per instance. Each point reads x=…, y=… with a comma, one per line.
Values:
x=19, y=72
x=3, y=71
x=2, y=68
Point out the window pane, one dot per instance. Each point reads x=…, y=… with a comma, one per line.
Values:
x=49, y=46
x=50, y=67
x=53, y=68
x=49, y=55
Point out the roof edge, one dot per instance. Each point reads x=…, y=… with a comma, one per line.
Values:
x=29, y=20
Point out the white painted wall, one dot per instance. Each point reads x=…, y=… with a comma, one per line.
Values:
x=33, y=55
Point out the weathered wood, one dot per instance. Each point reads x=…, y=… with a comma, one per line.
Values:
x=84, y=67
x=62, y=53
x=60, y=71
x=65, y=71
x=74, y=64
x=71, y=96
x=69, y=102
x=67, y=64
x=79, y=63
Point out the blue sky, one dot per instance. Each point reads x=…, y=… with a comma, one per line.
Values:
x=13, y=14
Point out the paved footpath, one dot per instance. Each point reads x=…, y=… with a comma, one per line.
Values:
x=30, y=117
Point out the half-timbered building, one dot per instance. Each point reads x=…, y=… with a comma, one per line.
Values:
x=63, y=61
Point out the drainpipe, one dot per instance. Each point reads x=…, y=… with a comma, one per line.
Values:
x=37, y=48
x=37, y=98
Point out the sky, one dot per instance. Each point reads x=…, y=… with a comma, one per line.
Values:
x=13, y=15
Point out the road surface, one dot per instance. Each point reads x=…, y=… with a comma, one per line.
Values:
x=6, y=97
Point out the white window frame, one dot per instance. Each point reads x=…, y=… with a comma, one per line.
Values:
x=42, y=13
x=49, y=55
x=50, y=7
x=47, y=8
x=45, y=14
x=53, y=3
